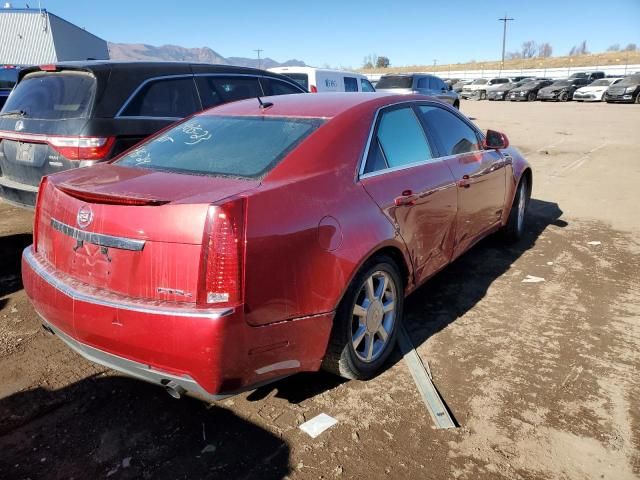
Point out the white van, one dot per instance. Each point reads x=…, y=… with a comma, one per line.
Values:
x=318, y=80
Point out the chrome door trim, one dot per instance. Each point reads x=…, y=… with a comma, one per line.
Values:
x=100, y=239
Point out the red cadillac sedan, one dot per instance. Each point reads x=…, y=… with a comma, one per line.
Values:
x=267, y=237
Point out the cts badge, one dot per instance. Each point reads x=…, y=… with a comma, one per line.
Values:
x=19, y=126
x=85, y=216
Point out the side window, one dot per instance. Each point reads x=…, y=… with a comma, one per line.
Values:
x=215, y=90
x=436, y=84
x=423, y=82
x=350, y=84
x=273, y=86
x=175, y=98
x=366, y=85
x=399, y=140
x=454, y=134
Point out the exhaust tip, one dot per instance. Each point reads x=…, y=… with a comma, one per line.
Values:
x=175, y=390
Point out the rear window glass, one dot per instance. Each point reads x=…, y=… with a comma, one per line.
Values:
x=54, y=96
x=350, y=84
x=394, y=81
x=300, y=78
x=8, y=78
x=222, y=146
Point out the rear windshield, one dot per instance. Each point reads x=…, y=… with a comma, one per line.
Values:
x=222, y=146
x=300, y=78
x=8, y=78
x=632, y=80
x=53, y=96
x=394, y=81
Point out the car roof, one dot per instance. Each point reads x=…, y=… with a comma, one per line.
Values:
x=312, y=105
x=293, y=69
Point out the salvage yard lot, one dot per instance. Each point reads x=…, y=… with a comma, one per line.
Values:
x=542, y=377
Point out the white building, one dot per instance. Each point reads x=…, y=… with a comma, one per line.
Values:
x=30, y=36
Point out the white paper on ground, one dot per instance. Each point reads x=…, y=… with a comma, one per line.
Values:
x=532, y=279
x=318, y=424
x=594, y=242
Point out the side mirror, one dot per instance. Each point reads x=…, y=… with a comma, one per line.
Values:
x=495, y=140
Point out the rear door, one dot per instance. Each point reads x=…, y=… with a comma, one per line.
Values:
x=414, y=189
x=480, y=174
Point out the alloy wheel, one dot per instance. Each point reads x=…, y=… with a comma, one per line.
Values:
x=374, y=316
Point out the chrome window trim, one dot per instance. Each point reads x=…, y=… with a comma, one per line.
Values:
x=142, y=85
x=100, y=239
x=159, y=308
x=417, y=103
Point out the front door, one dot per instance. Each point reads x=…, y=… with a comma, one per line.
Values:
x=480, y=174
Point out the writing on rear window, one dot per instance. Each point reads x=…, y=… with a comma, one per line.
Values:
x=222, y=145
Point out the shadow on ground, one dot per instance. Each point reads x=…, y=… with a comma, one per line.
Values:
x=120, y=428
x=11, y=247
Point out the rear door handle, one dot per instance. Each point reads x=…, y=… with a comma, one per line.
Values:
x=465, y=182
x=407, y=198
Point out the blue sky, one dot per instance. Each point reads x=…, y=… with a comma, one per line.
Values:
x=341, y=33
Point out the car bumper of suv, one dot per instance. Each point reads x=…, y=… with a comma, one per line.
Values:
x=206, y=353
x=16, y=193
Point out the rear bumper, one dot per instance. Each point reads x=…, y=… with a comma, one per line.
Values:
x=19, y=194
x=210, y=353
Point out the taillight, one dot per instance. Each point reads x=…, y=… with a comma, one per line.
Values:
x=82, y=148
x=313, y=89
x=222, y=262
x=36, y=217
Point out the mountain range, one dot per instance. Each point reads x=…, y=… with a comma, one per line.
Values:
x=140, y=51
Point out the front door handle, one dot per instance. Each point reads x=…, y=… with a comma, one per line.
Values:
x=465, y=182
x=407, y=198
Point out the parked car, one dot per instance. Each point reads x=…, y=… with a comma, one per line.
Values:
x=319, y=80
x=626, y=90
x=78, y=113
x=478, y=88
x=450, y=82
x=591, y=76
x=501, y=91
x=418, y=83
x=562, y=90
x=594, y=92
x=458, y=86
x=529, y=91
x=184, y=264
x=8, y=78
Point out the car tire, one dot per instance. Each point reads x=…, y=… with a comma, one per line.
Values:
x=531, y=97
x=564, y=97
x=483, y=95
x=638, y=98
x=514, y=228
x=357, y=347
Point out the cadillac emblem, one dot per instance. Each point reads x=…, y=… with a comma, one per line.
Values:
x=19, y=126
x=85, y=216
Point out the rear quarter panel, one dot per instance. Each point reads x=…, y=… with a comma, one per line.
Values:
x=298, y=264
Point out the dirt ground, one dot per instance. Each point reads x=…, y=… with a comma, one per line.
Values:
x=543, y=378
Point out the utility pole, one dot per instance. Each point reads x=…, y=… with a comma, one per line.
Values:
x=504, y=35
x=258, y=51
x=434, y=64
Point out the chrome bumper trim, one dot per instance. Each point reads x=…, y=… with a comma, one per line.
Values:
x=100, y=239
x=156, y=308
x=131, y=367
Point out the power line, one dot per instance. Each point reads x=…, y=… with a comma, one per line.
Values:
x=504, y=35
x=258, y=51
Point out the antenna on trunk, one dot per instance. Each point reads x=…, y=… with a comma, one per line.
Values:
x=264, y=105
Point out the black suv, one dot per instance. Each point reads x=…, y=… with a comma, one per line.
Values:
x=75, y=114
x=8, y=79
x=626, y=90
